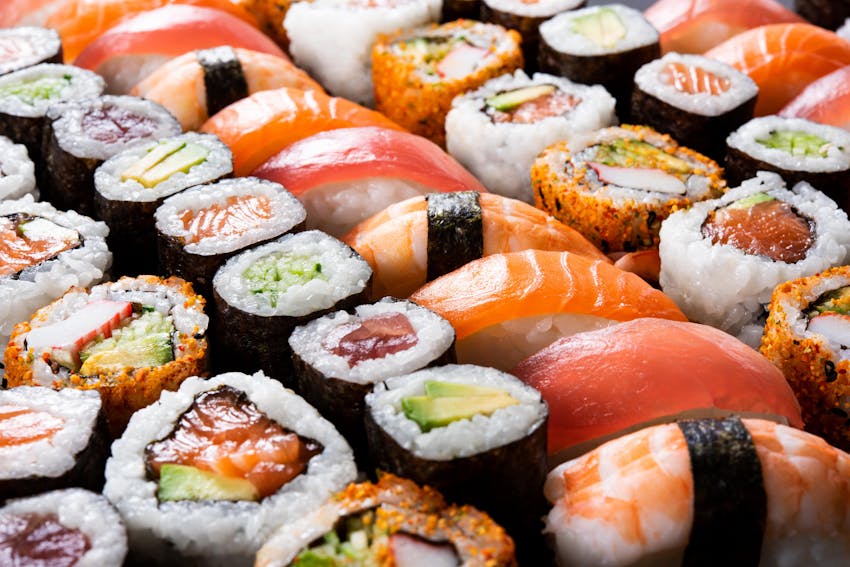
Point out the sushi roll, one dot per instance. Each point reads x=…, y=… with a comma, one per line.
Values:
x=829, y=14
x=617, y=185
x=339, y=357
x=17, y=171
x=263, y=293
x=697, y=100
x=395, y=520
x=497, y=130
x=721, y=259
x=81, y=135
x=129, y=339
x=50, y=440
x=63, y=527
x=46, y=253
x=199, y=229
x=476, y=434
x=270, y=15
x=796, y=149
x=26, y=46
x=205, y=474
x=332, y=39
x=418, y=72
x=129, y=187
x=805, y=336
x=600, y=45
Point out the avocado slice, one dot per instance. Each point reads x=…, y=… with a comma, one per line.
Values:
x=145, y=341
x=163, y=161
x=796, y=143
x=603, y=27
x=181, y=482
x=626, y=152
x=275, y=273
x=43, y=88
x=835, y=301
x=511, y=99
x=751, y=200
x=435, y=389
x=430, y=413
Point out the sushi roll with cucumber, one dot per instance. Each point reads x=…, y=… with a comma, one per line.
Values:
x=25, y=46
x=617, y=185
x=129, y=339
x=204, y=475
x=17, y=171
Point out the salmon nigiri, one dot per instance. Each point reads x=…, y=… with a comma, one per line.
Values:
x=695, y=26
x=258, y=127
x=504, y=307
x=826, y=100
x=783, y=59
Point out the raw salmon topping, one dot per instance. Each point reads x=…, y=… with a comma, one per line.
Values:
x=26, y=241
x=694, y=80
x=225, y=433
x=529, y=112
x=371, y=338
x=222, y=220
x=19, y=425
x=33, y=539
x=113, y=124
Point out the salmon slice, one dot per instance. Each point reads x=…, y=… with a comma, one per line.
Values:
x=783, y=59
x=261, y=125
x=232, y=218
x=19, y=425
x=691, y=79
x=18, y=251
x=826, y=100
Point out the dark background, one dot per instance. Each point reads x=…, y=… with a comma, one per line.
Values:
x=642, y=4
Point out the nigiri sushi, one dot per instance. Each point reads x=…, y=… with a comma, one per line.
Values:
x=826, y=100
x=504, y=307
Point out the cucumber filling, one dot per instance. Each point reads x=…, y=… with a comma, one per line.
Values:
x=35, y=90
x=797, y=143
x=273, y=275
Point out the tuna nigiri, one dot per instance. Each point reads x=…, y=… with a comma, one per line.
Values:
x=783, y=59
x=826, y=100
x=695, y=26
x=129, y=51
x=345, y=176
x=504, y=307
x=261, y=125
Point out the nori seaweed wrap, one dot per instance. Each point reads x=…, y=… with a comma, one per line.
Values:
x=829, y=14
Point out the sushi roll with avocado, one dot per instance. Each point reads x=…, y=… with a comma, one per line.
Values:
x=17, y=171
x=205, y=474
x=25, y=46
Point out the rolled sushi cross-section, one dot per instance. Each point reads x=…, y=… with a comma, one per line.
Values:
x=617, y=185
x=51, y=439
x=393, y=521
x=208, y=472
x=17, y=171
x=25, y=46
x=497, y=130
x=263, y=293
x=721, y=259
x=418, y=72
x=128, y=339
x=63, y=527
x=753, y=485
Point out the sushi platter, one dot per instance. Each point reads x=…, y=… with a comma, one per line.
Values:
x=403, y=283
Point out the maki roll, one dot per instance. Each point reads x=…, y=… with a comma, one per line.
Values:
x=129, y=187
x=82, y=135
x=17, y=172
x=205, y=474
x=64, y=527
x=128, y=339
x=418, y=72
x=829, y=14
x=497, y=130
x=51, y=439
x=263, y=293
x=721, y=259
x=697, y=100
x=600, y=45
x=617, y=185
x=200, y=228
x=339, y=357
x=26, y=46
x=392, y=520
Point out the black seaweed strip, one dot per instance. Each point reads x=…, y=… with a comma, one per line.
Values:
x=455, y=231
x=224, y=79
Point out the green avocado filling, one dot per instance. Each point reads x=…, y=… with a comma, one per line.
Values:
x=356, y=541
x=272, y=275
x=603, y=27
x=182, y=482
x=32, y=91
x=835, y=301
x=797, y=143
x=509, y=100
x=751, y=200
x=447, y=402
x=144, y=341
x=163, y=161
x=626, y=152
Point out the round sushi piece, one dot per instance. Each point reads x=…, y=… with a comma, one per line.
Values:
x=497, y=130
x=697, y=100
x=829, y=14
x=263, y=293
x=81, y=135
x=63, y=527
x=44, y=253
x=205, y=474
x=418, y=72
x=51, y=439
x=332, y=39
x=17, y=171
x=703, y=492
x=339, y=357
x=25, y=46
x=806, y=337
x=129, y=339
x=200, y=228
x=795, y=148
x=129, y=187
x=617, y=185
x=599, y=45
x=721, y=259
x=393, y=519
x=476, y=434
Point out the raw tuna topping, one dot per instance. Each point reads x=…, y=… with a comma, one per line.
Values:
x=33, y=539
x=372, y=338
x=114, y=124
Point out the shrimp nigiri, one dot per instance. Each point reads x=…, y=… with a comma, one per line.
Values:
x=826, y=100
